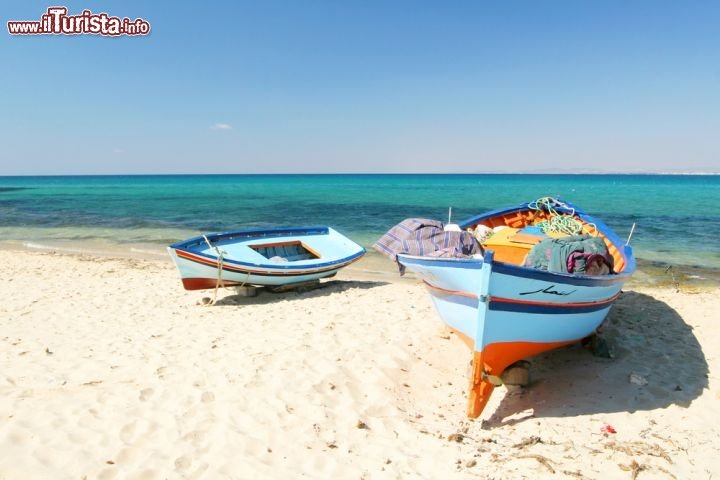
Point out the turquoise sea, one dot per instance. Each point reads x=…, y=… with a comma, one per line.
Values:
x=676, y=216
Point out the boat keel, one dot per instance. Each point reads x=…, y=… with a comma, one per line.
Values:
x=489, y=365
x=481, y=387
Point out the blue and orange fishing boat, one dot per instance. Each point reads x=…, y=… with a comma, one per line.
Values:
x=506, y=309
x=269, y=257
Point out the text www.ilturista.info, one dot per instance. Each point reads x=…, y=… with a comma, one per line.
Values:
x=57, y=22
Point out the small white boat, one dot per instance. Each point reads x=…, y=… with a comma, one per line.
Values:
x=271, y=257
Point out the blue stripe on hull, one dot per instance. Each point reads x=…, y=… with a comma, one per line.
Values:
x=500, y=306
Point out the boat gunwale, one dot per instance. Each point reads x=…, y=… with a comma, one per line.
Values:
x=259, y=233
x=526, y=272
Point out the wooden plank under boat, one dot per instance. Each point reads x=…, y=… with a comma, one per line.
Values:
x=273, y=257
x=506, y=311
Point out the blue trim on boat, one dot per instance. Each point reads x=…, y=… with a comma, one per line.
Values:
x=562, y=278
x=545, y=308
x=261, y=233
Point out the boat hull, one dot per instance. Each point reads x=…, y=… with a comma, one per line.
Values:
x=507, y=316
x=506, y=312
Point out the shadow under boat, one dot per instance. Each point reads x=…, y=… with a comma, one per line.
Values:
x=265, y=295
x=657, y=362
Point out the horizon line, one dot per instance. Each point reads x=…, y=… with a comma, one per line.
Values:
x=530, y=172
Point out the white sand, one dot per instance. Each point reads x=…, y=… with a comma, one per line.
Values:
x=109, y=369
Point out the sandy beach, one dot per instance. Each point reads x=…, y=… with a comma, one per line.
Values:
x=109, y=369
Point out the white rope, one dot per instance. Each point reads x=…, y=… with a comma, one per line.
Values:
x=243, y=283
x=220, y=262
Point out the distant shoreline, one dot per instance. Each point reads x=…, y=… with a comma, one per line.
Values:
x=548, y=173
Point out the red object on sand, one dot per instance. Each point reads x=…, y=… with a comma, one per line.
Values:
x=607, y=429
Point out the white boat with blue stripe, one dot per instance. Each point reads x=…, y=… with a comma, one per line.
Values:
x=268, y=257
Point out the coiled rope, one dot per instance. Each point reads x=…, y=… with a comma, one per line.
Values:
x=558, y=223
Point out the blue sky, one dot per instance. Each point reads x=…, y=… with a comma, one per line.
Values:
x=366, y=86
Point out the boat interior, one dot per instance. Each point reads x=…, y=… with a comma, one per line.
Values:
x=281, y=252
x=515, y=233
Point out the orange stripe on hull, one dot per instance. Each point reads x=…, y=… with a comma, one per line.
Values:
x=493, y=360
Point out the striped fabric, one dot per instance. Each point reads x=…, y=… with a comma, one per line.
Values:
x=423, y=237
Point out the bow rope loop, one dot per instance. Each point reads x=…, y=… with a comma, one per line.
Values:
x=557, y=223
x=220, y=260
